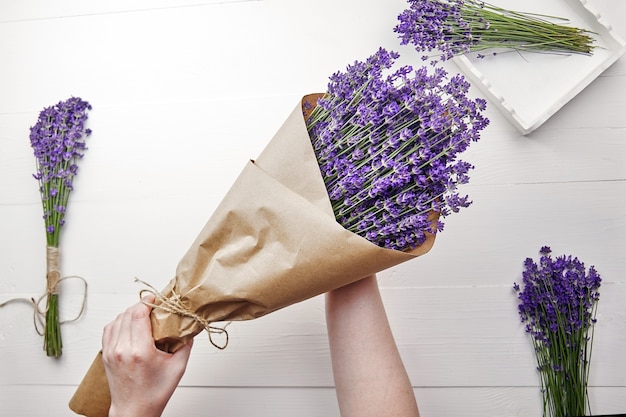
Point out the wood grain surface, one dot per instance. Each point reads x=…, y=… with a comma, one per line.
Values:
x=184, y=92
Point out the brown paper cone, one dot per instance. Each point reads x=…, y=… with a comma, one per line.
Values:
x=273, y=241
x=92, y=398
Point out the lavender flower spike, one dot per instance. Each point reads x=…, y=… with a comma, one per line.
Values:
x=387, y=142
x=557, y=303
x=58, y=142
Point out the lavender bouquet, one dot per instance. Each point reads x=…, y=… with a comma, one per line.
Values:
x=355, y=181
x=456, y=27
x=558, y=304
x=58, y=142
x=387, y=147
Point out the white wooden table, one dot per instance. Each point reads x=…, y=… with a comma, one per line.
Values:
x=183, y=93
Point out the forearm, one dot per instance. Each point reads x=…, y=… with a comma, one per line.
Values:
x=370, y=377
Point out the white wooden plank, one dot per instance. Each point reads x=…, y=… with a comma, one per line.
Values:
x=310, y=402
x=448, y=336
x=487, y=241
x=208, y=141
x=564, y=155
x=598, y=106
x=433, y=402
x=38, y=10
x=241, y=49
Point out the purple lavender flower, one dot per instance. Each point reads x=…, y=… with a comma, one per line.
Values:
x=455, y=27
x=557, y=304
x=58, y=142
x=387, y=142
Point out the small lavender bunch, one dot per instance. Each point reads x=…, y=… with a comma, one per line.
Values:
x=387, y=142
x=58, y=141
x=558, y=305
x=455, y=27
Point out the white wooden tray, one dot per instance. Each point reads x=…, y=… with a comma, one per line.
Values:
x=528, y=88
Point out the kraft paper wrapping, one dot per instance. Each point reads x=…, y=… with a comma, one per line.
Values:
x=273, y=241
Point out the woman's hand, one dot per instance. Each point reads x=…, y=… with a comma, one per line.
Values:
x=141, y=377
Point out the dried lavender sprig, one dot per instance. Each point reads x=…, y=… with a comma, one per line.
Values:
x=58, y=141
x=558, y=305
x=455, y=27
x=387, y=142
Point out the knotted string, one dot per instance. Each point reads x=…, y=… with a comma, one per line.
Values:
x=39, y=313
x=174, y=304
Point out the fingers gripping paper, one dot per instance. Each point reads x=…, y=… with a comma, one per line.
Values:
x=273, y=241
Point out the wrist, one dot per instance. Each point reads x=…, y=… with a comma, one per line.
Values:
x=134, y=411
x=363, y=288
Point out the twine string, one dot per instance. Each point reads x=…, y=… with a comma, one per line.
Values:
x=39, y=312
x=175, y=305
x=38, y=315
x=53, y=276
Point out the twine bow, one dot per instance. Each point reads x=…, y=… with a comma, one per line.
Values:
x=174, y=304
x=53, y=280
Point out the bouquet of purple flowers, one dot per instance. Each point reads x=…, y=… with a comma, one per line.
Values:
x=355, y=181
x=387, y=147
x=455, y=27
x=58, y=142
x=558, y=304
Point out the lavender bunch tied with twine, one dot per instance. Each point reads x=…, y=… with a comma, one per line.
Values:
x=387, y=141
x=58, y=142
x=558, y=300
x=456, y=27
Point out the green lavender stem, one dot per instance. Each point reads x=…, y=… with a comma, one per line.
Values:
x=52, y=333
x=523, y=31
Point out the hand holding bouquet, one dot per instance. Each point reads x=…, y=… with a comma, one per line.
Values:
x=354, y=182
